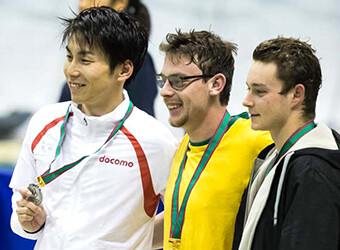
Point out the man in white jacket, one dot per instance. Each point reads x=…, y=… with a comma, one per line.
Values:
x=101, y=163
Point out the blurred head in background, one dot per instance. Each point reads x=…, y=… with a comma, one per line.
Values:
x=132, y=7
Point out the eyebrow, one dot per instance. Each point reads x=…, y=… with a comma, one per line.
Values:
x=256, y=84
x=175, y=74
x=82, y=52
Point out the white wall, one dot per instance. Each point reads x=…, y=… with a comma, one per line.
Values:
x=31, y=57
x=247, y=23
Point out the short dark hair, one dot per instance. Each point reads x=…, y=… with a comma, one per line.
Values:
x=296, y=64
x=118, y=35
x=207, y=51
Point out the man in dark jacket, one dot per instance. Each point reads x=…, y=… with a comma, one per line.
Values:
x=293, y=199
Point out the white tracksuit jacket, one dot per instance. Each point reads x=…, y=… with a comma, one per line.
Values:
x=108, y=201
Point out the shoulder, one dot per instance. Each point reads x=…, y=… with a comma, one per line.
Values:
x=244, y=125
x=315, y=165
x=51, y=111
x=148, y=129
x=48, y=114
x=44, y=120
x=317, y=159
x=182, y=146
x=243, y=131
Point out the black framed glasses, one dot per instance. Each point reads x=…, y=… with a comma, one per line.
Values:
x=178, y=82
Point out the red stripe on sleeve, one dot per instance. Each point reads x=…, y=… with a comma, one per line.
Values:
x=151, y=200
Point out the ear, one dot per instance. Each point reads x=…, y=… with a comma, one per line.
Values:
x=217, y=84
x=125, y=70
x=298, y=95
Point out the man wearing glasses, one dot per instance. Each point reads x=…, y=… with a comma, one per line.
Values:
x=212, y=166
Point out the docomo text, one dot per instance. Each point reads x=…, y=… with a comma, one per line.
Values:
x=114, y=161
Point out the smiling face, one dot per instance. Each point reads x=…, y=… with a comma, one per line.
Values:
x=269, y=110
x=190, y=106
x=91, y=82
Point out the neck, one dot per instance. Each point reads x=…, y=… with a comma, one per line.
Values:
x=101, y=108
x=281, y=135
x=203, y=130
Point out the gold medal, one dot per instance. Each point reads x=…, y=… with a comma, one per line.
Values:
x=175, y=243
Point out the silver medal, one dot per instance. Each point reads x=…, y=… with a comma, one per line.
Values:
x=36, y=197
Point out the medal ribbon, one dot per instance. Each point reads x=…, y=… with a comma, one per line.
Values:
x=49, y=176
x=177, y=216
x=291, y=141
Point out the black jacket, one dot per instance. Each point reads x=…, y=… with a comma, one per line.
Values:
x=308, y=212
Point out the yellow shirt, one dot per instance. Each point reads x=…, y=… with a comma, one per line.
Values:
x=215, y=199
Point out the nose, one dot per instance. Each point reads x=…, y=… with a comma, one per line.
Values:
x=248, y=102
x=167, y=90
x=71, y=69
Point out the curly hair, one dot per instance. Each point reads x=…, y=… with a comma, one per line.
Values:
x=296, y=64
x=207, y=51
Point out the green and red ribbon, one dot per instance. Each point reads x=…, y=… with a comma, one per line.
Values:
x=49, y=176
x=178, y=215
x=291, y=142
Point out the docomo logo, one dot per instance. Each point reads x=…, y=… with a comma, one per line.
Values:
x=116, y=161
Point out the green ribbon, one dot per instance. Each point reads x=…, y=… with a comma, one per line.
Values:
x=177, y=215
x=291, y=141
x=49, y=176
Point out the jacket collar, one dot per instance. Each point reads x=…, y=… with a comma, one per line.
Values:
x=104, y=121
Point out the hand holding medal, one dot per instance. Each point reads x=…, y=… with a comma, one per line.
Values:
x=30, y=211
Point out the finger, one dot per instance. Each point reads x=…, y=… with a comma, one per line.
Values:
x=25, y=218
x=29, y=208
x=34, y=208
x=22, y=203
x=25, y=211
x=25, y=193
